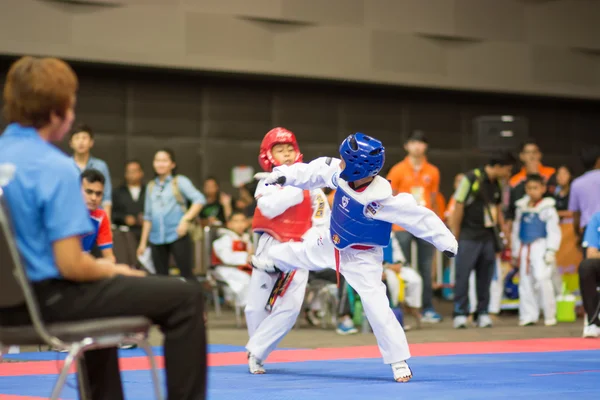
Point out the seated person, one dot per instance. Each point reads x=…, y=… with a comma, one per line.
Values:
x=92, y=186
x=397, y=275
x=589, y=277
x=231, y=257
x=49, y=218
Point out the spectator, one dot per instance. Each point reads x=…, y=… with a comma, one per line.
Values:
x=167, y=217
x=82, y=141
x=49, y=216
x=584, y=200
x=536, y=239
x=589, y=277
x=475, y=223
x=564, y=177
x=128, y=199
x=217, y=209
x=452, y=202
x=231, y=257
x=92, y=185
x=417, y=176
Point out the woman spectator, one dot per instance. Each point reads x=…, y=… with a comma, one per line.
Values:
x=217, y=209
x=564, y=176
x=167, y=217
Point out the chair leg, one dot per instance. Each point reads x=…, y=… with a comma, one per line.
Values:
x=153, y=368
x=215, y=293
x=238, y=316
x=73, y=355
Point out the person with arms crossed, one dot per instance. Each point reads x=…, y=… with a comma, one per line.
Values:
x=49, y=218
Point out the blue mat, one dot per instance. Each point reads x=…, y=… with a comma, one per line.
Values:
x=560, y=375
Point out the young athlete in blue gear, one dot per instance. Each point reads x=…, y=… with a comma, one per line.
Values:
x=364, y=210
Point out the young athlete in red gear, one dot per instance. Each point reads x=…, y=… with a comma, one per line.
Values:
x=282, y=215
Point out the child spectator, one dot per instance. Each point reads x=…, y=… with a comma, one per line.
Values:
x=217, y=209
x=92, y=186
x=536, y=239
x=231, y=254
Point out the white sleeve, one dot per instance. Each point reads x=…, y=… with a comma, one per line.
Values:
x=397, y=254
x=274, y=200
x=319, y=173
x=223, y=248
x=423, y=223
x=553, y=232
x=515, y=242
x=321, y=210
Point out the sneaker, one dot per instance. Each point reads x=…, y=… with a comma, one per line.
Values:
x=255, y=366
x=128, y=346
x=346, y=327
x=460, y=322
x=430, y=316
x=402, y=372
x=484, y=321
x=527, y=323
x=550, y=322
x=591, y=331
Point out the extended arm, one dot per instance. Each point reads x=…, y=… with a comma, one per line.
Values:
x=319, y=173
x=403, y=210
x=273, y=200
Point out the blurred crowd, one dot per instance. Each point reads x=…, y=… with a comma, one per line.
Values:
x=533, y=220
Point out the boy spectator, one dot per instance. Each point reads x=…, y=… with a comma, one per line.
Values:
x=536, y=239
x=231, y=254
x=589, y=278
x=82, y=141
x=92, y=186
x=415, y=175
x=128, y=199
x=475, y=222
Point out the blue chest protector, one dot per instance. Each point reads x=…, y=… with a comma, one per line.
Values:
x=350, y=225
x=532, y=228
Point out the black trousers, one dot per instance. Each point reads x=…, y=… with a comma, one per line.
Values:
x=176, y=306
x=181, y=249
x=478, y=255
x=589, y=280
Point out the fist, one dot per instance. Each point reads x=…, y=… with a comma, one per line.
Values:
x=273, y=178
x=550, y=258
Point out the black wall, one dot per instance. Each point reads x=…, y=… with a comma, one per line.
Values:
x=216, y=122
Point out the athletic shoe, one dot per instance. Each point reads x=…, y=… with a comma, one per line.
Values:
x=402, y=372
x=430, y=316
x=460, y=322
x=484, y=321
x=550, y=322
x=591, y=331
x=346, y=327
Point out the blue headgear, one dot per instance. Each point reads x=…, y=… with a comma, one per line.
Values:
x=364, y=157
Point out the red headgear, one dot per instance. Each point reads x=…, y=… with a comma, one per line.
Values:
x=273, y=137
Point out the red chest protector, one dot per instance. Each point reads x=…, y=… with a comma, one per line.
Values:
x=288, y=226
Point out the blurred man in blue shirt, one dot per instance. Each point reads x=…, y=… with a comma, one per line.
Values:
x=589, y=277
x=49, y=215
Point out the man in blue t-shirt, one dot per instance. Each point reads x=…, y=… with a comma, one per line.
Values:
x=589, y=277
x=46, y=205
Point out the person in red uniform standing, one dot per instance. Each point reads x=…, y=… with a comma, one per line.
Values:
x=281, y=215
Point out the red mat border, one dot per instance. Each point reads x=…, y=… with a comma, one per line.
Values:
x=323, y=354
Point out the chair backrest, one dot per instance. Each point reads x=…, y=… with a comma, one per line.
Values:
x=15, y=288
x=11, y=293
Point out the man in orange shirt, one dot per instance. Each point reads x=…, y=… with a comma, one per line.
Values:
x=531, y=157
x=420, y=178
